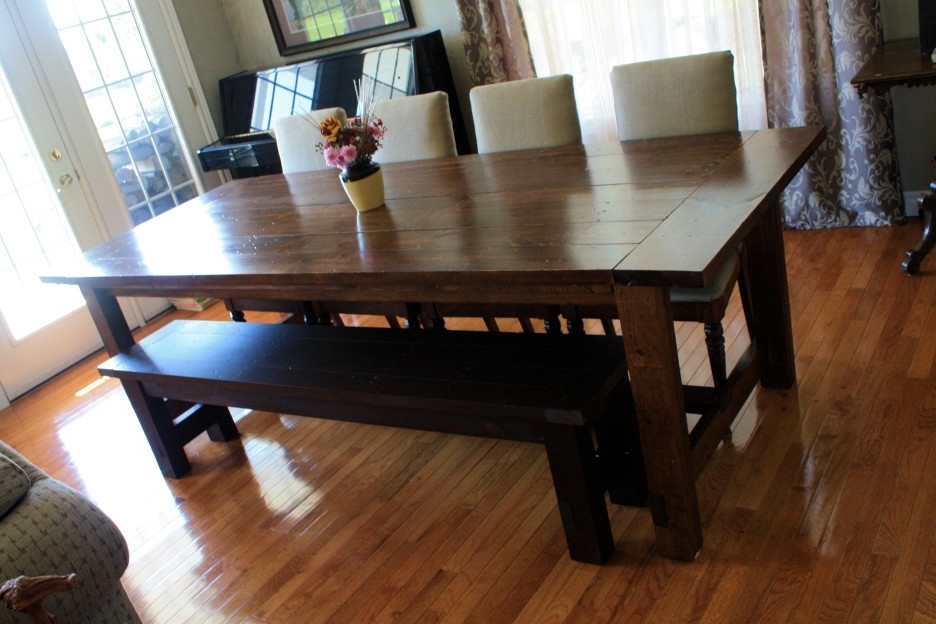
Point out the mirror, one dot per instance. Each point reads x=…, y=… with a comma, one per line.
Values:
x=302, y=25
x=329, y=81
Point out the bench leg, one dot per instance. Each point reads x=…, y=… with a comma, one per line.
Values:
x=580, y=492
x=156, y=421
x=619, y=451
x=223, y=429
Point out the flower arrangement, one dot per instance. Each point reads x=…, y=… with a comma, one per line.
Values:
x=351, y=145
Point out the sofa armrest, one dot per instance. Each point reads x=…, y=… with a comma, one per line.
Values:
x=14, y=483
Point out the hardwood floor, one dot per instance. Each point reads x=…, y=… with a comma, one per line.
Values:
x=818, y=507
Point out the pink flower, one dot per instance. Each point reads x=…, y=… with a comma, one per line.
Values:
x=348, y=154
x=332, y=156
x=353, y=143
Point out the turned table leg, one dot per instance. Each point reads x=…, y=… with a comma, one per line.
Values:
x=927, y=206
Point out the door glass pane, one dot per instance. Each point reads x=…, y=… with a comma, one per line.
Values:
x=34, y=235
x=106, y=49
x=89, y=10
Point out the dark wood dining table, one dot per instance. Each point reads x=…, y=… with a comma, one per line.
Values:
x=603, y=223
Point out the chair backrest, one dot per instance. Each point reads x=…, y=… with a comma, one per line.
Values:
x=297, y=136
x=525, y=114
x=676, y=96
x=418, y=127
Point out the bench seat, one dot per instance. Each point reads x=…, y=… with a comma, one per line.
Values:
x=561, y=390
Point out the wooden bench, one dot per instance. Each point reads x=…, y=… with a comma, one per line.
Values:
x=560, y=390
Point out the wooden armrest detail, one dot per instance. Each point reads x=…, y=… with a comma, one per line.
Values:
x=26, y=593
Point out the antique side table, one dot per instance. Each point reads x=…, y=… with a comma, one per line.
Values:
x=901, y=63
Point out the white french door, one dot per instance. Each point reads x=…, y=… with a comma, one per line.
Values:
x=89, y=147
x=46, y=219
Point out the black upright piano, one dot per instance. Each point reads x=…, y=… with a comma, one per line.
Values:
x=250, y=101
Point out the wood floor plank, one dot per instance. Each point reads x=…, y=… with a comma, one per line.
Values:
x=922, y=318
x=904, y=589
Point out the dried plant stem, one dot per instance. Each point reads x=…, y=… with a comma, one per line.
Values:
x=366, y=91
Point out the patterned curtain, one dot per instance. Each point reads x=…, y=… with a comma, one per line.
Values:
x=495, y=41
x=812, y=49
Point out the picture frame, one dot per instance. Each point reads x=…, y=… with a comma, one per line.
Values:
x=304, y=25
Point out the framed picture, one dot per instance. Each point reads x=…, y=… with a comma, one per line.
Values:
x=303, y=25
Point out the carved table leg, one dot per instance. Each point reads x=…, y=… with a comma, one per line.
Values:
x=26, y=593
x=927, y=206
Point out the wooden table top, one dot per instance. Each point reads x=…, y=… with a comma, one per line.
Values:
x=539, y=225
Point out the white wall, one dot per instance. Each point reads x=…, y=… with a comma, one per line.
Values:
x=208, y=36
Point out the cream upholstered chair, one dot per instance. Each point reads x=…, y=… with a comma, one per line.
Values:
x=525, y=114
x=674, y=97
x=432, y=137
x=297, y=137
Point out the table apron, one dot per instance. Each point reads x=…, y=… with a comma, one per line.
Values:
x=595, y=294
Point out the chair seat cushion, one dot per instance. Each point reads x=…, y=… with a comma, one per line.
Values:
x=14, y=483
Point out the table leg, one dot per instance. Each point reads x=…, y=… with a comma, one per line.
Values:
x=769, y=300
x=653, y=363
x=926, y=206
x=109, y=320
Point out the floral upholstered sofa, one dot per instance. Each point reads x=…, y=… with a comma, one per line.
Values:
x=49, y=529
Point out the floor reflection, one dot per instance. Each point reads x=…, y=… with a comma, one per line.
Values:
x=111, y=472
